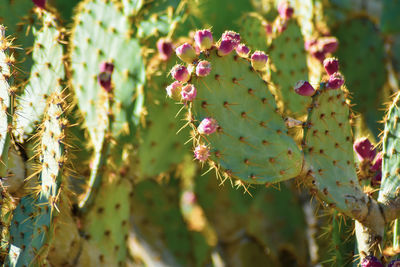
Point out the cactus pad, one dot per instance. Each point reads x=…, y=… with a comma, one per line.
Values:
x=359, y=44
x=107, y=223
x=288, y=66
x=46, y=75
x=161, y=145
x=328, y=149
x=251, y=142
x=252, y=30
x=391, y=158
x=102, y=34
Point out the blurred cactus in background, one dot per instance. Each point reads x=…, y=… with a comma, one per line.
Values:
x=199, y=133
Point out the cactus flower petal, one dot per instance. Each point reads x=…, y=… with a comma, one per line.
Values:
x=364, y=149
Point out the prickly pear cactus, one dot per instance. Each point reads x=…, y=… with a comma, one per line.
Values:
x=101, y=30
x=361, y=43
x=106, y=225
x=288, y=66
x=162, y=134
x=238, y=99
x=32, y=224
x=47, y=73
x=328, y=149
x=160, y=221
x=390, y=163
x=7, y=95
x=253, y=31
x=16, y=17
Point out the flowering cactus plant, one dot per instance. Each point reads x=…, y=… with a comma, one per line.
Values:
x=122, y=124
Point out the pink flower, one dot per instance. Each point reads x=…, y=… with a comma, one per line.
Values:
x=364, y=149
x=203, y=39
x=259, y=60
x=335, y=81
x=180, y=73
x=165, y=48
x=207, y=126
x=189, y=92
x=186, y=53
x=304, y=88
x=201, y=153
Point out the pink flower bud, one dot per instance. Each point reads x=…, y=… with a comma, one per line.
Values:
x=225, y=47
x=259, y=60
x=203, y=68
x=371, y=261
x=180, y=73
x=207, y=126
x=285, y=10
x=104, y=77
x=189, y=92
x=328, y=44
x=174, y=90
x=364, y=149
x=304, y=88
x=331, y=65
x=377, y=166
x=233, y=36
x=165, y=48
x=201, y=153
x=106, y=67
x=242, y=50
x=335, y=81
x=40, y=3
x=317, y=53
x=203, y=39
x=186, y=53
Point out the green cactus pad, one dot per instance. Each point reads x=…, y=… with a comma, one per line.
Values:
x=106, y=225
x=161, y=146
x=6, y=104
x=251, y=142
x=32, y=222
x=15, y=15
x=252, y=31
x=47, y=73
x=391, y=158
x=328, y=149
x=288, y=66
x=159, y=219
x=102, y=34
x=359, y=44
